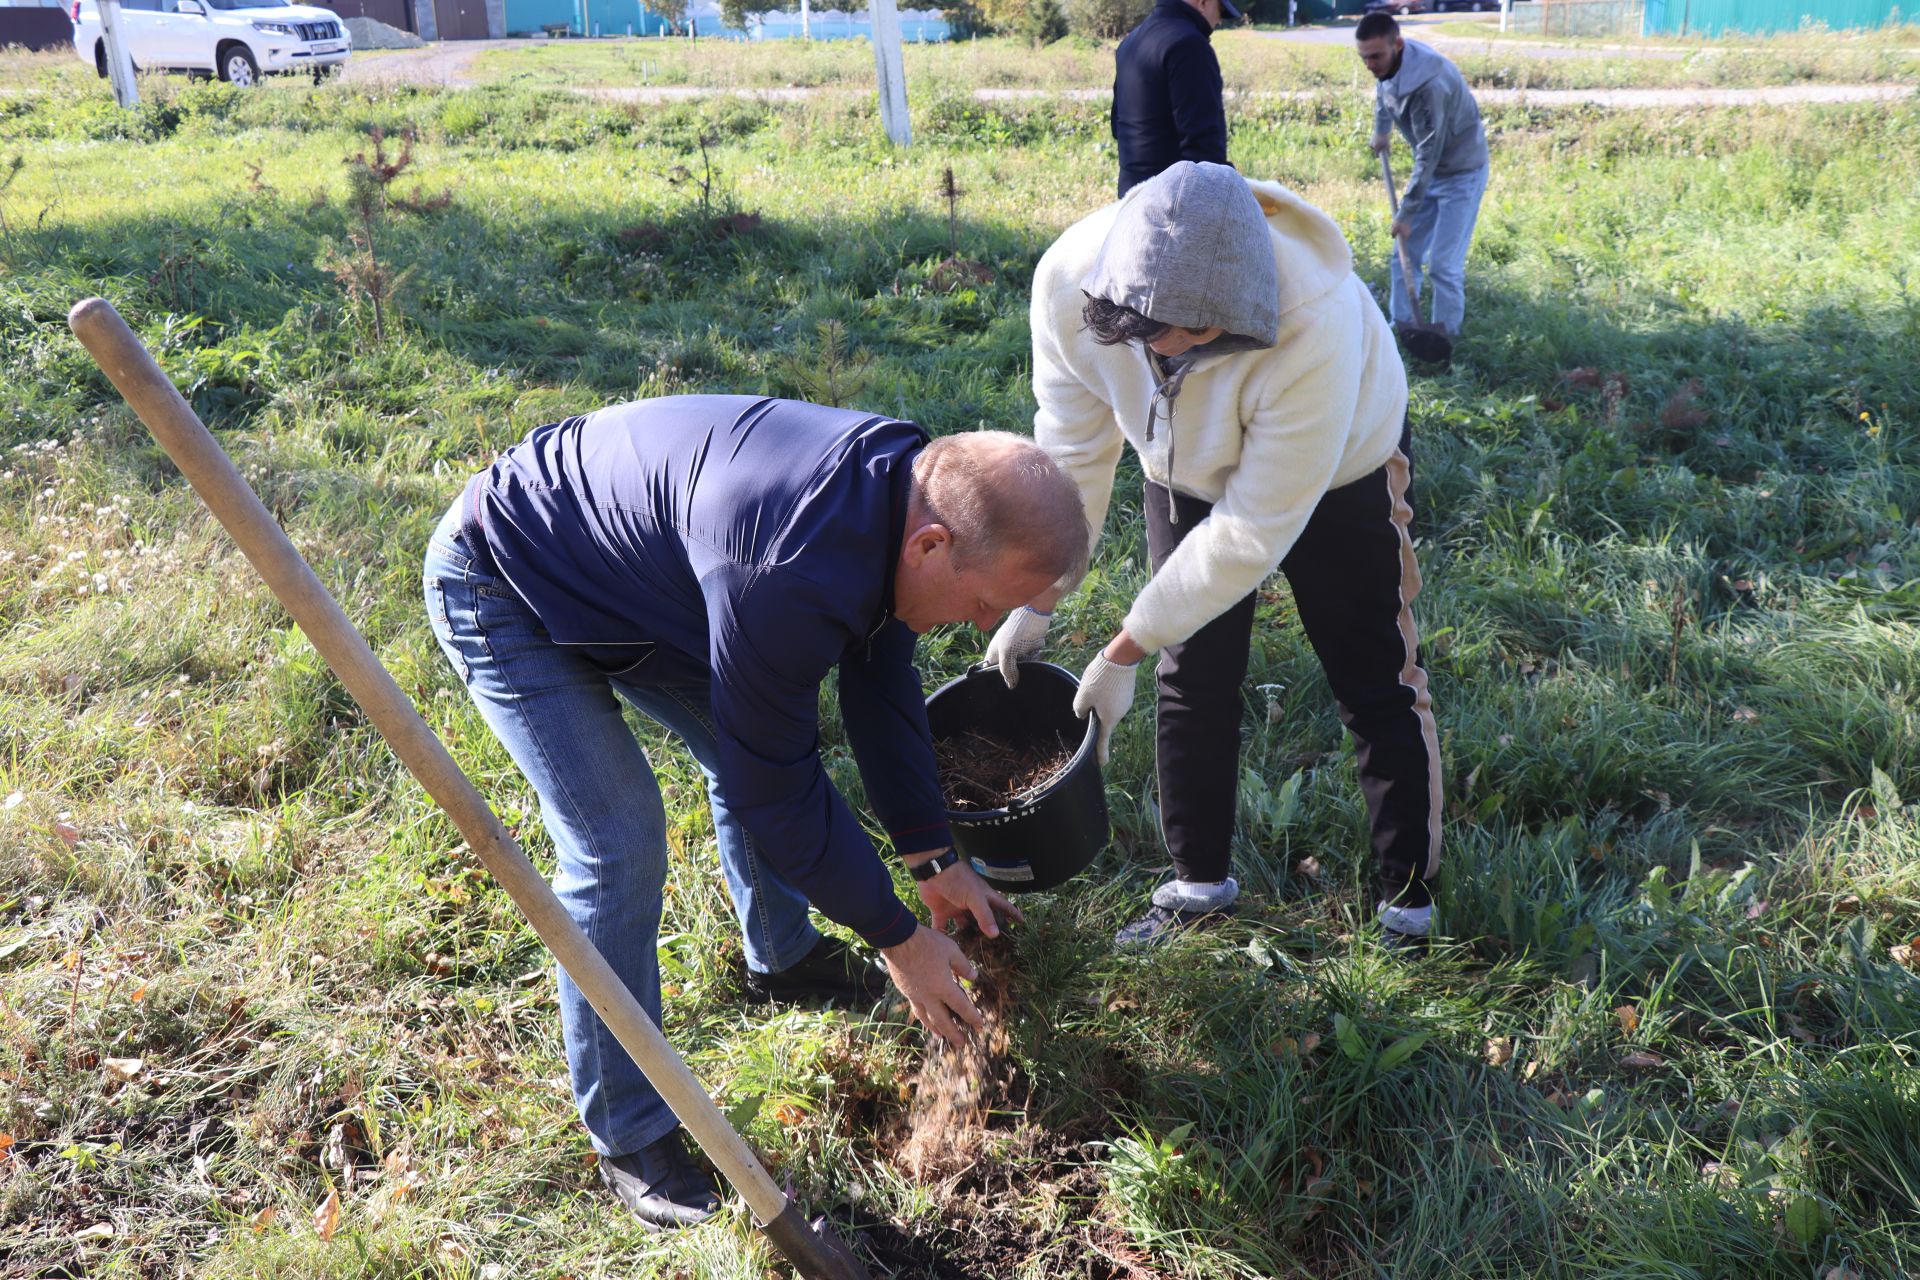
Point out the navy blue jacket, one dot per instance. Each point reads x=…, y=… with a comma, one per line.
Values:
x=744, y=547
x=1167, y=104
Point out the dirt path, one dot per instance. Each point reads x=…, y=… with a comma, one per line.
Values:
x=1623, y=99
x=447, y=65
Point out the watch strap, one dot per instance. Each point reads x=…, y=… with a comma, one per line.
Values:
x=935, y=865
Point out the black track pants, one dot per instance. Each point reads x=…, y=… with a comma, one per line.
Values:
x=1354, y=579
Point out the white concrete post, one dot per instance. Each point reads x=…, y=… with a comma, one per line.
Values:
x=119, y=58
x=806, y=20
x=890, y=70
x=1506, y=12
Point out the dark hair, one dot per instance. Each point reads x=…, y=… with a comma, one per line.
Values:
x=1376, y=25
x=1113, y=324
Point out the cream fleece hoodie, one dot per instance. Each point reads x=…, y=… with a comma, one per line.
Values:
x=1261, y=434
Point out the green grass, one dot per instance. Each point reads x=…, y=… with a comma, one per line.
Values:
x=1250, y=62
x=1674, y=661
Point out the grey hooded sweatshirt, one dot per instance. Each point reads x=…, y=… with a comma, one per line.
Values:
x=1304, y=391
x=1428, y=100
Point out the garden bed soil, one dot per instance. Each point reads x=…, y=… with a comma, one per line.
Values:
x=979, y=772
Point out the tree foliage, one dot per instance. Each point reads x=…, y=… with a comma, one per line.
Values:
x=1105, y=19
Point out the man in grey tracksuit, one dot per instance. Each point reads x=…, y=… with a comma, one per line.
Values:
x=1425, y=97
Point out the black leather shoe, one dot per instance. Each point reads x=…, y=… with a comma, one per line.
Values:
x=832, y=971
x=662, y=1184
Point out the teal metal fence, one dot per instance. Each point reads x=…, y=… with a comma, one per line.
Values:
x=1765, y=17
x=582, y=17
x=1579, y=17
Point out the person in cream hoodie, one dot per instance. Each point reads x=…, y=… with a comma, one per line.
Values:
x=1215, y=324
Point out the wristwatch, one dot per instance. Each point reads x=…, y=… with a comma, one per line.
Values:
x=935, y=865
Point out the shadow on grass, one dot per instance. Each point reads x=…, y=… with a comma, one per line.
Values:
x=1546, y=500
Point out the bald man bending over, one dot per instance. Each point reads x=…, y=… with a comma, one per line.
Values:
x=708, y=560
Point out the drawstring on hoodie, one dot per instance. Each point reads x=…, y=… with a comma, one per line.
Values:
x=1165, y=390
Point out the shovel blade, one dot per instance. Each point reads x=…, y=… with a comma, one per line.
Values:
x=1426, y=344
x=815, y=1249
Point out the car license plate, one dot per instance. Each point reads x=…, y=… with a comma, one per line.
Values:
x=332, y=47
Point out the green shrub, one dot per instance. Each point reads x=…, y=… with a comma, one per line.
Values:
x=1105, y=19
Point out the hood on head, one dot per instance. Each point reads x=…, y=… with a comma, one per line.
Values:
x=1189, y=247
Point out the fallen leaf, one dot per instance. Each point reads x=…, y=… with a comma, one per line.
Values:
x=1310, y=868
x=1309, y=1043
x=6, y=1140
x=1629, y=1018
x=140, y=994
x=262, y=1219
x=788, y=1114
x=98, y=1231
x=1905, y=955
x=1745, y=714
x=13, y=799
x=1841, y=1272
x=122, y=1068
x=1499, y=1051
x=1722, y=1175
x=1849, y=904
x=67, y=832
x=1642, y=1060
x=452, y=1250
x=326, y=1219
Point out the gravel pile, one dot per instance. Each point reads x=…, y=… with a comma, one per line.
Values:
x=369, y=33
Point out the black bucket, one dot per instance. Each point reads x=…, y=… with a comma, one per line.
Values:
x=1041, y=840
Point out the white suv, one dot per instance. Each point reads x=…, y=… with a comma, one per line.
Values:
x=236, y=40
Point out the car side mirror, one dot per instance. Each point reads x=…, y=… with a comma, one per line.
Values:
x=193, y=7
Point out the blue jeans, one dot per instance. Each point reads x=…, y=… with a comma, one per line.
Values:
x=1441, y=232
x=559, y=717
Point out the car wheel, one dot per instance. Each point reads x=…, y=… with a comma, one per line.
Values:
x=238, y=67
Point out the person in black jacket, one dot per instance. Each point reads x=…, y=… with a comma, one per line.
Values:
x=1167, y=104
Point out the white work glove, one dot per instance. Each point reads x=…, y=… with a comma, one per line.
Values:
x=1020, y=636
x=1106, y=689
